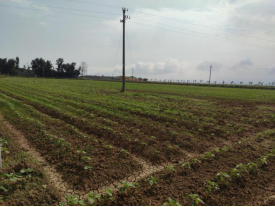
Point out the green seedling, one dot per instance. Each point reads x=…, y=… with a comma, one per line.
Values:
x=108, y=146
x=263, y=160
x=235, y=173
x=152, y=181
x=223, y=178
x=93, y=197
x=109, y=193
x=194, y=199
x=171, y=202
x=195, y=161
x=127, y=186
x=242, y=168
x=74, y=201
x=88, y=168
x=211, y=186
x=226, y=148
x=81, y=152
x=252, y=166
x=186, y=165
x=171, y=169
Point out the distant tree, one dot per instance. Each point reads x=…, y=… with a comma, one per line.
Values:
x=83, y=68
x=223, y=82
x=59, y=63
x=38, y=67
x=17, y=63
x=232, y=82
x=241, y=83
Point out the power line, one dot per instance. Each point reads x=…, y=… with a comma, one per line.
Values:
x=54, y=7
x=200, y=35
x=120, y=37
x=171, y=19
x=208, y=37
x=56, y=12
x=198, y=25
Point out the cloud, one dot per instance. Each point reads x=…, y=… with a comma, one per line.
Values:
x=168, y=66
x=206, y=66
x=243, y=64
x=43, y=23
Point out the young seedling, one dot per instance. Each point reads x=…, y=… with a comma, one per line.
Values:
x=171, y=169
x=252, y=166
x=223, y=178
x=194, y=199
x=109, y=193
x=186, y=165
x=171, y=202
x=88, y=168
x=152, y=181
x=211, y=186
x=93, y=197
x=127, y=186
x=74, y=201
x=195, y=161
x=235, y=173
x=85, y=158
x=263, y=160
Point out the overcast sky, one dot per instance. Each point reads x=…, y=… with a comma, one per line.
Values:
x=236, y=37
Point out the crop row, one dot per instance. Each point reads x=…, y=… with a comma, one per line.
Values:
x=80, y=158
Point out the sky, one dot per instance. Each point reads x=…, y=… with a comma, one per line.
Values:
x=165, y=39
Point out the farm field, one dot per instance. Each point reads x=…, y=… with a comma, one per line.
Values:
x=78, y=142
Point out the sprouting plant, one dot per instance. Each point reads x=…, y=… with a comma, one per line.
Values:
x=194, y=199
x=171, y=169
x=81, y=152
x=226, y=148
x=235, y=173
x=109, y=193
x=216, y=150
x=242, y=168
x=123, y=152
x=210, y=186
x=152, y=181
x=186, y=165
x=195, y=161
x=209, y=155
x=74, y=201
x=223, y=178
x=127, y=186
x=93, y=197
x=263, y=160
x=171, y=202
x=88, y=168
x=108, y=146
x=252, y=166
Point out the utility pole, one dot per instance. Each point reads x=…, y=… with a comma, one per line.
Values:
x=123, y=53
x=132, y=74
x=210, y=74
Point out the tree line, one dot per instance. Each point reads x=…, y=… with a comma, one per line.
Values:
x=42, y=68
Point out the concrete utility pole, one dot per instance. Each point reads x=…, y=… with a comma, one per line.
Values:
x=123, y=53
x=210, y=74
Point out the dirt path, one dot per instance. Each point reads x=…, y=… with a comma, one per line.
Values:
x=54, y=178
